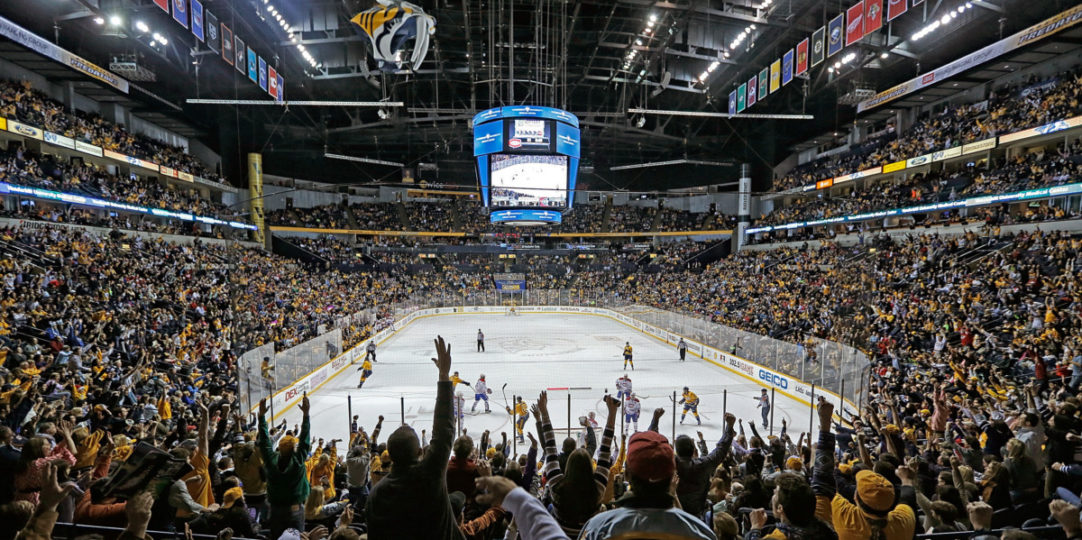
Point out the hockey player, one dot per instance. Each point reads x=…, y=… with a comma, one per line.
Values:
x=480, y=391
x=623, y=387
x=627, y=356
x=366, y=371
x=480, y=341
x=370, y=350
x=691, y=403
x=521, y=415
x=455, y=380
x=764, y=406
x=682, y=346
x=632, y=407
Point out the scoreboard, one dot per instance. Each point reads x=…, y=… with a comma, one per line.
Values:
x=527, y=162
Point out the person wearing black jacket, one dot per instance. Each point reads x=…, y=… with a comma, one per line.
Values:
x=695, y=472
x=412, y=501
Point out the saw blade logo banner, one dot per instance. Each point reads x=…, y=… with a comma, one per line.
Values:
x=390, y=27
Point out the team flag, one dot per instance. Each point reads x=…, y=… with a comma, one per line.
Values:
x=895, y=9
x=253, y=66
x=732, y=102
x=775, y=76
x=753, y=85
x=197, y=20
x=854, y=26
x=834, y=34
x=180, y=12
x=818, y=46
x=227, y=44
x=802, y=57
x=281, y=88
x=787, y=67
x=272, y=82
x=741, y=98
x=164, y=4
x=873, y=16
x=214, y=39
x=238, y=52
x=263, y=74
x=764, y=83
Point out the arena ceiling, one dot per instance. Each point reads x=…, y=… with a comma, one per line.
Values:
x=596, y=58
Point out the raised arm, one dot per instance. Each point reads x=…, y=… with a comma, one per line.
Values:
x=658, y=413
x=443, y=421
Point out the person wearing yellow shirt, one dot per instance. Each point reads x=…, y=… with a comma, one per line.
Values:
x=521, y=415
x=455, y=380
x=691, y=403
x=366, y=371
x=627, y=356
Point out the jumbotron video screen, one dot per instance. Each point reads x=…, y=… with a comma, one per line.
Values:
x=529, y=181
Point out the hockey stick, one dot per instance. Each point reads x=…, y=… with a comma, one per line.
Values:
x=503, y=390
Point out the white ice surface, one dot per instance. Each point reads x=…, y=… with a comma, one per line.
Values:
x=529, y=353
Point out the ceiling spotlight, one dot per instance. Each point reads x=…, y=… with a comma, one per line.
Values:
x=156, y=36
x=885, y=56
x=640, y=122
x=115, y=20
x=383, y=114
x=638, y=42
x=830, y=69
x=162, y=40
x=142, y=26
x=945, y=19
x=653, y=17
x=270, y=9
x=99, y=20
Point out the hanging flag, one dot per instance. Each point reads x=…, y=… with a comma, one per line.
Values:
x=732, y=102
x=775, y=76
x=281, y=88
x=272, y=82
x=741, y=98
x=895, y=8
x=854, y=26
x=214, y=39
x=253, y=67
x=873, y=16
x=238, y=52
x=802, y=57
x=753, y=86
x=197, y=20
x=227, y=44
x=764, y=83
x=834, y=34
x=787, y=67
x=818, y=46
x=180, y=12
x=262, y=73
x=164, y=4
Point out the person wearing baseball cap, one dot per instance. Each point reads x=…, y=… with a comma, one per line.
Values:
x=648, y=507
x=873, y=514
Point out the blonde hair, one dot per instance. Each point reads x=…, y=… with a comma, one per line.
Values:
x=314, y=504
x=1016, y=449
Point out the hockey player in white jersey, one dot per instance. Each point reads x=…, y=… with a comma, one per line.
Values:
x=460, y=407
x=632, y=407
x=623, y=387
x=480, y=391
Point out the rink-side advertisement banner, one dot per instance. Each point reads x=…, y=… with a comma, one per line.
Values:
x=1032, y=34
x=44, y=47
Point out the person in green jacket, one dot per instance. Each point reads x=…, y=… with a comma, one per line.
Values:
x=287, y=477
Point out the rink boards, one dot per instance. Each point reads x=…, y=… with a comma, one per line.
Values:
x=791, y=387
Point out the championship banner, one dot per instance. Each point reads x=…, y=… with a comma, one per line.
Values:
x=873, y=15
x=214, y=40
x=281, y=88
x=46, y=48
x=834, y=34
x=272, y=82
x=25, y=130
x=896, y=8
x=238, y=52
x=164, y=4
x=180, y=12
x=253, y=66
x=819, y=47
x=59, y=140
x=1037, y=32
x=732, y=102
x=802, y=57
x=787, y=67
x=227, y=44
x=753, y=85
x=197, y=20
x=764, y=83
x=262, y=73
x=775, y=76
x=854, y=26
x=741, y=97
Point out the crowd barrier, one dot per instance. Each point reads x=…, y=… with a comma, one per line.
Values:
x=844, y=366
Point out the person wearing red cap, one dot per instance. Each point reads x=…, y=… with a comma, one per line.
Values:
x=650, y=506
x=873, y=514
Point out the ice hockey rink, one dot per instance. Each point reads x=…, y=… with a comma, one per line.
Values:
x=529, y=353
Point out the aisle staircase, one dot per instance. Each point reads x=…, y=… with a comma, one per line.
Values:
x=403, y=216
x=606, y=215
